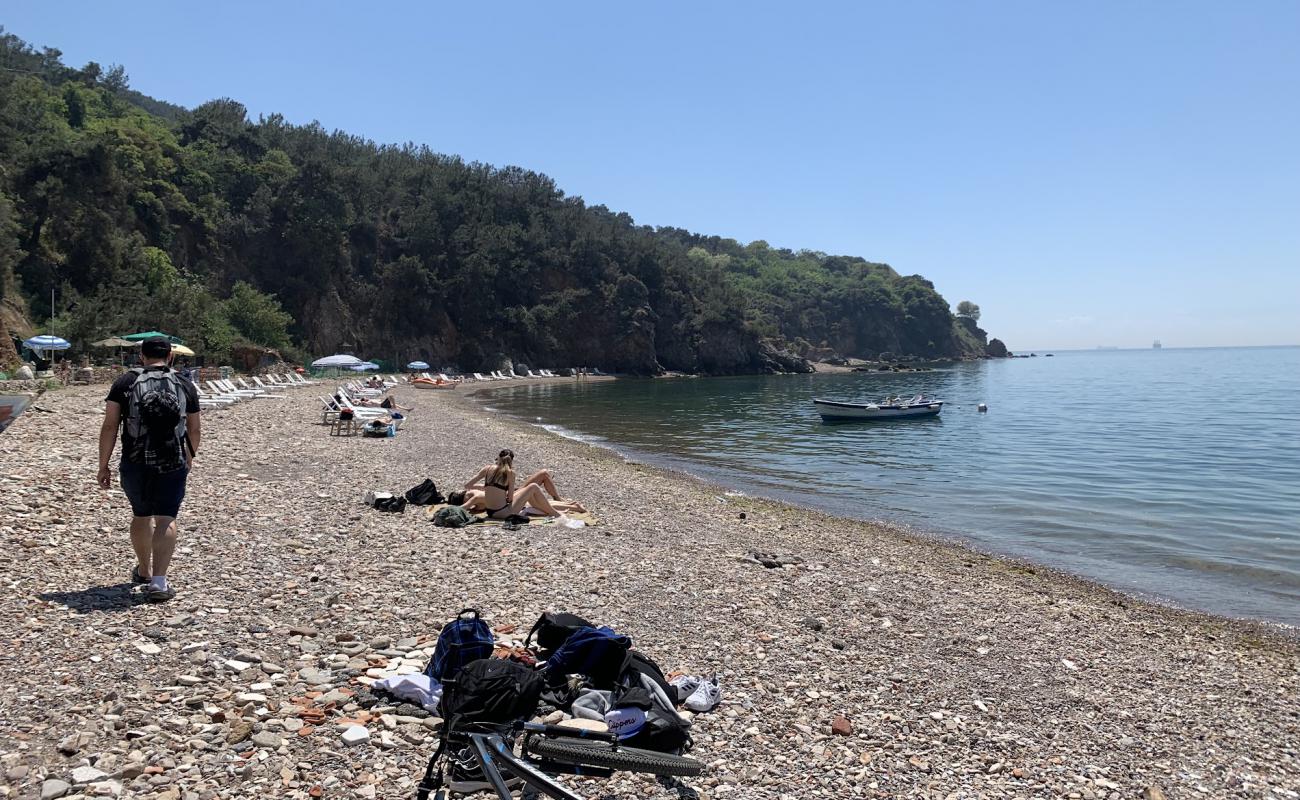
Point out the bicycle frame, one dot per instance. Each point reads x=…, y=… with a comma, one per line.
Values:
x=489, y=748
x=495, y=753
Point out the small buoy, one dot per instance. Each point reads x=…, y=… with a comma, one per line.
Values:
x=981, y=408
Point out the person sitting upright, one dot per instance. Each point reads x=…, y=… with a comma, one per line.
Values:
x=499, y=498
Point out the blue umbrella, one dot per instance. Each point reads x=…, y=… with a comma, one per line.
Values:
x=365, y=365
x=47, y=342
x=417, y=365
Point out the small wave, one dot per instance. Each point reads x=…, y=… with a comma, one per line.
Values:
x=585, y=438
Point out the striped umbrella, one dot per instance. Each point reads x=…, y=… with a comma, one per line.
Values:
x=47, y=342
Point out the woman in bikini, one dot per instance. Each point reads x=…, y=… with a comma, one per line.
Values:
x=499, y=499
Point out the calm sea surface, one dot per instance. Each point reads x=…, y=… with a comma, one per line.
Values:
x=1171, y=473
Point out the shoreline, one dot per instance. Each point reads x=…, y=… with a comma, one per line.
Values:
x=953, y=672
x=941, y=538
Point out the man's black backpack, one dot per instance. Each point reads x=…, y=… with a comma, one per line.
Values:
x=156, y=419
x=426, y=494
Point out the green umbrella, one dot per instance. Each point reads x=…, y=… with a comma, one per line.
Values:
x=140, y=337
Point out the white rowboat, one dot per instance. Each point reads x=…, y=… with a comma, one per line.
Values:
x=919, y=406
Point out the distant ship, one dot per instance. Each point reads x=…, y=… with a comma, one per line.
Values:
x=1156, y=345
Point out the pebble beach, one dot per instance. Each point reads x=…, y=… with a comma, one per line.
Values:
x=856, y=660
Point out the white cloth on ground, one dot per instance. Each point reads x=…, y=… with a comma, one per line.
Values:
x=418, y=688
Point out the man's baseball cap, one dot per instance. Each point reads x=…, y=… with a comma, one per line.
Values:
x=156, y=347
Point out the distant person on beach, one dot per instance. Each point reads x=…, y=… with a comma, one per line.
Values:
x=158, y=414
x=493, y=488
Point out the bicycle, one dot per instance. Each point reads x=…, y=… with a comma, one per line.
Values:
x=544, y=749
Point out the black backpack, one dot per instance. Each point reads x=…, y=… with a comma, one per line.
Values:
x=665, y=730
x=552, y=629
x=156, y=418
x=490, y=690
x=426, y=494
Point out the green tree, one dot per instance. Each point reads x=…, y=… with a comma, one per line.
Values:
x=257, y=316
x=969, y=310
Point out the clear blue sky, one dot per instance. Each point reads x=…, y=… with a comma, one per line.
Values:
x=1100, y=173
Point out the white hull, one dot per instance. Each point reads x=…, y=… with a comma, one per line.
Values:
x=840, y=411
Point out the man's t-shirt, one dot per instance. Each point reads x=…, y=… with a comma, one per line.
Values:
x=120, y=393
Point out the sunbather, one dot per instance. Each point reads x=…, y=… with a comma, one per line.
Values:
x=499, y=498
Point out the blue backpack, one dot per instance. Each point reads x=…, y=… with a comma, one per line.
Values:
x=464, y=639
x=598, y=653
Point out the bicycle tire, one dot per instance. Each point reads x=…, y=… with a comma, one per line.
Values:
x=624, y=759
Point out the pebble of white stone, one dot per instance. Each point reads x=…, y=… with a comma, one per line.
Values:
x=355, y=734
x=148, y=648
x=87, y=775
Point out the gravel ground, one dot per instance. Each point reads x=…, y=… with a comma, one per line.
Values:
x=875, y=664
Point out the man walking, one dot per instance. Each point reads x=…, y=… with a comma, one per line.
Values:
x=158, y=413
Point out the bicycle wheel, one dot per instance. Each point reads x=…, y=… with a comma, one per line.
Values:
x=625, y=759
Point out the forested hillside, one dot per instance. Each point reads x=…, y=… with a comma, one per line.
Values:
x=139, y=215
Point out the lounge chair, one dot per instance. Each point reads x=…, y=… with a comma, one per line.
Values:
x=243, y=384
x=231, y=388
x=269, y=389
x=222, y=391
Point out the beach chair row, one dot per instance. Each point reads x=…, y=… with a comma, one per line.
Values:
x=221, y=393
x=500, y=375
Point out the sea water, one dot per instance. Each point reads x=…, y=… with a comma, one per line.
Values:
x=1170, y=473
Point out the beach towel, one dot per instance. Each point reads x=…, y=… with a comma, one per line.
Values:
x=586, y=518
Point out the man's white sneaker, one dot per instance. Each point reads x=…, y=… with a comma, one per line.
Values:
x=706, y=696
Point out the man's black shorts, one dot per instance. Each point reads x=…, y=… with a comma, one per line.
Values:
x=153, y=493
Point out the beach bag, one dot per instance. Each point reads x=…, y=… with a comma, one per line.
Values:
x=466, y=638
x=490, y=690
x=552, y=629
x=597, y=653
x=452, y=517
x=156, y=420
x=426, y=494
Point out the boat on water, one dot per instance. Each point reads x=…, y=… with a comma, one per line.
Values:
x=889, y=408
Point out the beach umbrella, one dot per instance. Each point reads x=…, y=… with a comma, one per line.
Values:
x=47, y=342
x=417, y=365
x=140, y=337
x=114, y=341
x=338, y=360
x=365, y=365
x=182, y=350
